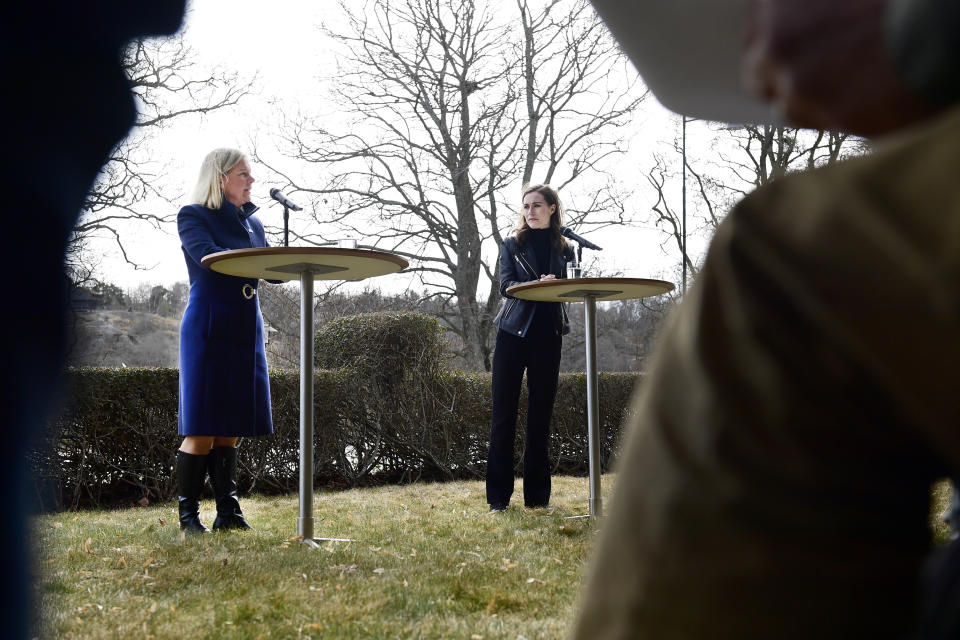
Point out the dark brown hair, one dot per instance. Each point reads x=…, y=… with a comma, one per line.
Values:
x=551, y=197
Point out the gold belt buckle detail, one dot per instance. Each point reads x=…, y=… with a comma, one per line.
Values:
x=249, y=292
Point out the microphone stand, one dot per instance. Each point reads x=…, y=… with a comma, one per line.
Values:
x=286, y=230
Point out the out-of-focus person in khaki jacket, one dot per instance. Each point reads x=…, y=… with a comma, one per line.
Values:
x=776, y=478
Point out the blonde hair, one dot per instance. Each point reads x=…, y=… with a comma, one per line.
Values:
x=209, y=188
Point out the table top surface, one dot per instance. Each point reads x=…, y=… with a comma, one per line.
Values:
x=578, y=289
x=288, y=263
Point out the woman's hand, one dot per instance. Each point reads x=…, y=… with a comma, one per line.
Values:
x=549, y=276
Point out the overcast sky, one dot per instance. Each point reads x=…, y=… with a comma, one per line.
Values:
x=281, y=43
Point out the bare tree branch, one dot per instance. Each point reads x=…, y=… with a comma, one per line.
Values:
x=745, y=158
x=168, y=85
x=453, y=104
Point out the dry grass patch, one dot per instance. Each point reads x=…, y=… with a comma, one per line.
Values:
x=427, y=561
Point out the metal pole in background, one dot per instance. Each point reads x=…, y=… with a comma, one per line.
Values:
x=305, y=521
x=683, y=226
x=593, y=408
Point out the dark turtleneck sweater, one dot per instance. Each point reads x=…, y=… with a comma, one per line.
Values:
x=544, y=317
x=539, y=240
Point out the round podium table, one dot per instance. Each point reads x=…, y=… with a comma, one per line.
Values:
x=588, y=291
x=305, y=264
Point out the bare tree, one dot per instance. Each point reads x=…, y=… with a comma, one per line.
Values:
x=767, y=152
x=168, y=85
x=741, y=159
x=454, y=106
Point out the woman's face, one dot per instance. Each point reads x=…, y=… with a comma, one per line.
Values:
x=536, y=211
x=236, y=184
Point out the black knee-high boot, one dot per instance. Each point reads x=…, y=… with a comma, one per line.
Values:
x=191, y=472
x=223, y=477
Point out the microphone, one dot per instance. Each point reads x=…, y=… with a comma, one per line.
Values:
x=583, y=242
x=282, y=199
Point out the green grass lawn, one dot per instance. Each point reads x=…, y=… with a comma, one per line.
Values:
x=426, y=561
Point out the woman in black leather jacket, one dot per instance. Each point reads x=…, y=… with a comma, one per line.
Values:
x=529, y=338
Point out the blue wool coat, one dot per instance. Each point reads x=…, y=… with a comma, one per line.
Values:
x=224, y=385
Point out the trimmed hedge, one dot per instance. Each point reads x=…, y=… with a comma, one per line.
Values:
x=386, y=411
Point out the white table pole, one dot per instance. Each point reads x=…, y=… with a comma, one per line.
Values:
x=593, y=407
x=305, y=521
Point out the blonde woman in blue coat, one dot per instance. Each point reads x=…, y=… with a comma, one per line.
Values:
x=224, y=386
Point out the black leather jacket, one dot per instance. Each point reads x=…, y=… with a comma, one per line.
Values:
x=518, y=266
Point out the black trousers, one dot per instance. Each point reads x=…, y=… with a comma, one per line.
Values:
x=540, y=357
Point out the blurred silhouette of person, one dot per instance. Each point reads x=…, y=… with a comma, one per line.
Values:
x=67, y=103
x=775, y=481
